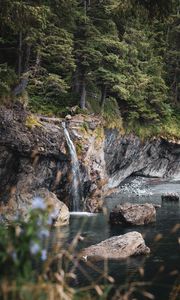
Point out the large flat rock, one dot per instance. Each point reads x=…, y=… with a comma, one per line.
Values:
x=117, y=247
x=133, y=214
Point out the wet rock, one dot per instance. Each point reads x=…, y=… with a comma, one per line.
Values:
x=157, y=206
x=133, y=214
x=94, y=204
x=117, y=247
x=170, y=197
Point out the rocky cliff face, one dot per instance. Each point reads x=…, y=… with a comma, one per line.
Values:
x=128, y=155
x=34, y=155
x=31, y=157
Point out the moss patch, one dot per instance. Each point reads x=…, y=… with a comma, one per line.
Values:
x=32, y=121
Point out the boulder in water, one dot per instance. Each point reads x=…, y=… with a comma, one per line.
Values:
x=117, y=247
x=133, y=214
x=170, y=197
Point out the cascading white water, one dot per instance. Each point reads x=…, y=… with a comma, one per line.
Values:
x=76, y=189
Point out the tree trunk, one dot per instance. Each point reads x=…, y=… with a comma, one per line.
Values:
x=20, y=55
x=85, y=7
x=83, y=95
x=76, y=82
x=37, y=64
x=103, y=96
x=28, y=53
x=19, y=89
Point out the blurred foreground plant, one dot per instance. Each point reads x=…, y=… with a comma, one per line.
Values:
x=25, y=262
x=33, y=266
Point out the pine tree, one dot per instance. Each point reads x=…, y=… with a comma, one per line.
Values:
x=173, y=57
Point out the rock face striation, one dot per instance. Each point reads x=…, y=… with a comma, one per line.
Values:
x=117, y=247
x=133, y=214
x=34, y=155
x=128, y=155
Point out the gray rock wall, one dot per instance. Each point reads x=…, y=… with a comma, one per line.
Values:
x=34, y=157
x=128, y=155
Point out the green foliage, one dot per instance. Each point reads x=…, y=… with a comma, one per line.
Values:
x=21, y=247
x=57, y=107
x=33, y=266
x=169, y=128
x=142, y=92
x=70, y=50
x=111, y=115
x=54, y=86
x=7, y=80
x=94, y=105
x=173, y=57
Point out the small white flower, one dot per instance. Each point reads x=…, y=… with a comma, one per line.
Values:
x=38, y=203
x=34, y=248
x=49, y=220
x=39, y=221
x=43, y=233
x=44, y=254
x=52, y=217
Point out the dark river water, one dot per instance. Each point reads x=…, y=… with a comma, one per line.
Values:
x=157, y=273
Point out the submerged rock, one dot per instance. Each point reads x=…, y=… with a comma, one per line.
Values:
x=117, y=247
x=170, y=197
x=133, y=214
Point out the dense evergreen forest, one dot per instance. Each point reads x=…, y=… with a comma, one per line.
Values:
x=117, y=57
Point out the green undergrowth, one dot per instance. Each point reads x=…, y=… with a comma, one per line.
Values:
x=111, y=114
x=169, y=129
x=40, y=106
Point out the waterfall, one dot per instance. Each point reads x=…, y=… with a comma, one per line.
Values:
x=76, y=188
